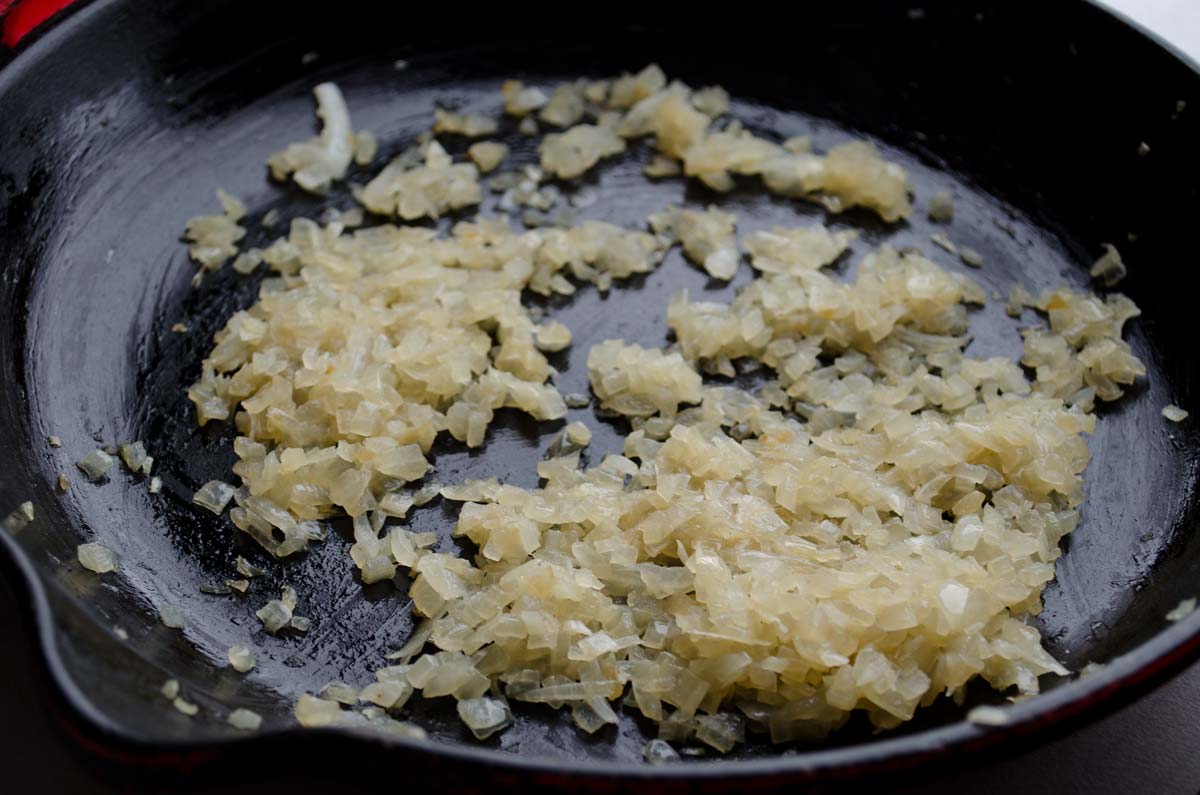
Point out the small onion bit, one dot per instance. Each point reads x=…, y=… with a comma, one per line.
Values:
x=244, y=719
x=97, y=558
x=484, y=716
x=989, y=716
x=96, y=464
x=19, y=518
x=241, y=658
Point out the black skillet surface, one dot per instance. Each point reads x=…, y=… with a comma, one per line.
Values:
x=119, y=124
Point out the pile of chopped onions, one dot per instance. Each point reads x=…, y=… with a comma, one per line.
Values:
x=435, y=188
x=345, y=426
x=868, y=531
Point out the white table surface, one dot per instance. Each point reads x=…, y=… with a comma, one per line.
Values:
x=1177, y=21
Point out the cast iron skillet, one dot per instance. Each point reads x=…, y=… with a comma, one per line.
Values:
x=119, y=124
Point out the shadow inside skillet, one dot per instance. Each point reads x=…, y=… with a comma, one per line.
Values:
x=90, y=230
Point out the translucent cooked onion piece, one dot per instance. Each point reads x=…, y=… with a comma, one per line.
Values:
x=484, y=716
x=659, y=752
x=340, y=692
x=244, y=719
x=171, y=616
x=484, y=490
x=796, y=250
x=241, y=658
x=669, y=116
x=97, y=558
x=20, y=517
x=1174, y=413
x=135, y=458
x=628, y=90
x=417, y=191
x=1083, y=349
x=592, y=714
x=988, y=716
x=707, y=237
x=248, y=569
x=470, y=125
x=568, y=155
x=722, y=731
x=578, y=434
x=566, y=104
x=96, y=465
x=520, y=100
x=184, y=706
x=275, y=615
x=487, y=155
x=970, y=257
x=577, y=400
x=214, y=495
x=662, y=166
x=312, y=712
x=316, y=163
x=387, y=694
x=639, y=382
x=712, y=101
x=245, y=262
x=853, y=174
x=552, y=336
x=941, y=207
x=1109, y=268
x=1182, y=610
x=214, y=238
x=366, y=145
x=942, y=241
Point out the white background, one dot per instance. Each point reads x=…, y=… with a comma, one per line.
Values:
x=1177, y=21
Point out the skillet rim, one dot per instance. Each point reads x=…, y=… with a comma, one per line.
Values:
x=1049, y=715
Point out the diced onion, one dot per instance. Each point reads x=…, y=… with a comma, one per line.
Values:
x=241, y=658
x=244, y=719
x=97, y=557
x=96, y=464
